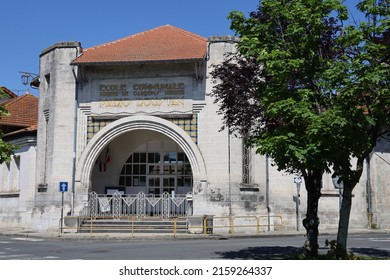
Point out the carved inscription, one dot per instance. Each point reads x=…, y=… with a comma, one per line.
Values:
x=141, y=95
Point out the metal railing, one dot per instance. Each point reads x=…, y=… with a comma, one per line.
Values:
x=207, y=226
x=140, y=205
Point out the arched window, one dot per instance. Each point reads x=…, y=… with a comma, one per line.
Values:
x=157, y=167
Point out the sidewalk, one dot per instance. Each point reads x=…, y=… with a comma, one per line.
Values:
x=68, y=235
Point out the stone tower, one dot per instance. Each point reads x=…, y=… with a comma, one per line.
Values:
x=56, y=131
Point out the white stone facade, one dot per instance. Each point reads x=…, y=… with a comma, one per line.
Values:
x=86, y=112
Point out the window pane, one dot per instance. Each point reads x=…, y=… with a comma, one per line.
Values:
x=169, y=182
x=135, y=169
x=166, y=158
x=154, y=169
x=180, y=157
x=143, y=169
x=180, y=169
x=157, y=157
x=172, y=157
x=151, y=158
x=169, y=169
x=128, y=181
x=188, y=182
x=180, y=181
x=142, y=181
x=128, y=169
x=130, y=159
x=121, y=180
x=187, y=169
x=143, y=157
x=136, y=157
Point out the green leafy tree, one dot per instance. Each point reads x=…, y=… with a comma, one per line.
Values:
x=285, y=50
x=6, y=149
x=362, y=106
x=309, y=92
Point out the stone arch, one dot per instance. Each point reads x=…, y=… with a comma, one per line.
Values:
x=132, y=123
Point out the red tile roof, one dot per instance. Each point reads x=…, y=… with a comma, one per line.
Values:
x=23, y=111
x=7, y=93
x=165, y=43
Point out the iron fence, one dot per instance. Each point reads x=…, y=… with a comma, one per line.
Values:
x=140, y=205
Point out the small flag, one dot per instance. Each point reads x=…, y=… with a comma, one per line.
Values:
x=108, y=158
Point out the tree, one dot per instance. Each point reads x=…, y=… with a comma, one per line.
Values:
x=6, y=149
x=309, y=92
x=361, y=79
x=273, y=91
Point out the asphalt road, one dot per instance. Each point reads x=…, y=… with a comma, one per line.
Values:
x=266, y=248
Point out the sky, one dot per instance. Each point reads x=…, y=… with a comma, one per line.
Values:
x=28, y=27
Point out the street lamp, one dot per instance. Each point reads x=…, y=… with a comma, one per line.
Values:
x=28, y=77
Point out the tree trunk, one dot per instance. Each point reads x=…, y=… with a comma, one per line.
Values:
x=311, y=222
x=345, y=211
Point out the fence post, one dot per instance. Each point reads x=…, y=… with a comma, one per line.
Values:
x=232, y=225
x=205, y=225
x=90, y=230
x=174, y=227
x=132, y=226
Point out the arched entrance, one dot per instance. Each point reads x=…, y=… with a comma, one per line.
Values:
x=182, y=154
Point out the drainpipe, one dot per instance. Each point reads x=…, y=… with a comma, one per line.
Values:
x=229, y=170
x=368, y=186
x=267, y=191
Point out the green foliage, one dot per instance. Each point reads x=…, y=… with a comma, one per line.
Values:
x=322, y=95
x=334, y=252
x=295, y=42
x=6, y=149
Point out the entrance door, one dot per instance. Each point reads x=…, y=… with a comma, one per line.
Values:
x=157, y=167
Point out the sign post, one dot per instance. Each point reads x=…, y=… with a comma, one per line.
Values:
x=297, y=181
x=63, y=188
x=338, y=185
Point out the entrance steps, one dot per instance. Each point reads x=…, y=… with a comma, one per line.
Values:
x=147, y=225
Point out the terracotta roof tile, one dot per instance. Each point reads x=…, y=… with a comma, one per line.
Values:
x=23, y=111
x=165, y=43
x=7, y=93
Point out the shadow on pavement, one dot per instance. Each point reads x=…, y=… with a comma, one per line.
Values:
x=261, y=253
x=276, y=253
x=371, y=252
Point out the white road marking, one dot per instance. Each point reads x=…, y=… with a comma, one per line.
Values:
x=27, y=239
x=18, y=257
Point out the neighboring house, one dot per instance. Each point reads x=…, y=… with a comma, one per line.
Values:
x=17, y=177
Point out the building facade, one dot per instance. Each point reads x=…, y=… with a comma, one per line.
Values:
x=17, y=190
x=131, y=122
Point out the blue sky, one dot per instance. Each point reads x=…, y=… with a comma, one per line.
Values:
x=27, y=27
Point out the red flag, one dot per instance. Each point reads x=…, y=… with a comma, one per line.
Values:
x=108, y=158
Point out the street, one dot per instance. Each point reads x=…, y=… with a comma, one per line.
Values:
x=274, y=247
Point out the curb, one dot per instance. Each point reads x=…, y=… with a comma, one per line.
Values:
x=141, y=237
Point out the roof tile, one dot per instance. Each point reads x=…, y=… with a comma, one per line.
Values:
x=23, y=111
x=165, y=43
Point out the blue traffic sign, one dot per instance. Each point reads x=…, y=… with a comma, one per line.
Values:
x=63, y=186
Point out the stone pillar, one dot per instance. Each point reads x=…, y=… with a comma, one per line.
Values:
x=56, y=130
